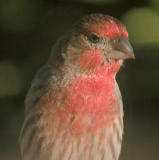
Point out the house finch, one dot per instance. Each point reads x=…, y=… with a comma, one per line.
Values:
x=74, y=108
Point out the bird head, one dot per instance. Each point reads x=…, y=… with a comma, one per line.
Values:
x=95, y=41
x=98, y=40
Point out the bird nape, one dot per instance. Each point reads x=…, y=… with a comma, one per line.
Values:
x=74, y=108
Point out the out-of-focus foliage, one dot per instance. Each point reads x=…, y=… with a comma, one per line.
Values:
x=18, y=15
x=143, y=25
x=10, y=79
x=154, y=4
x=99, y=2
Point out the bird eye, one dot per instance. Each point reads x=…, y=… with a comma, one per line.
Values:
x=93, y=38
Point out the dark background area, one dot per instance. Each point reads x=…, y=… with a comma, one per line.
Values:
x=29, y=28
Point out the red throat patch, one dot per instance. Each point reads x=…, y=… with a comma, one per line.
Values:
x=86, y=104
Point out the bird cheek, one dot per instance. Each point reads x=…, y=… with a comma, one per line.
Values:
x=91, y=59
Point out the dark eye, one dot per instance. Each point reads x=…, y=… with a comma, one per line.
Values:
x=93, y=38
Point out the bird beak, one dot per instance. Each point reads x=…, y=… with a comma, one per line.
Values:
x=121, y=49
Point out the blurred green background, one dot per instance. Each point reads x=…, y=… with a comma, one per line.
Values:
x=29, y=28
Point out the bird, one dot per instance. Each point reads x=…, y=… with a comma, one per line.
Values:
x=74, y=108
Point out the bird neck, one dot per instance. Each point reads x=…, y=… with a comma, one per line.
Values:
x=87, y=102
x=90, y=98
x=93, y=90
